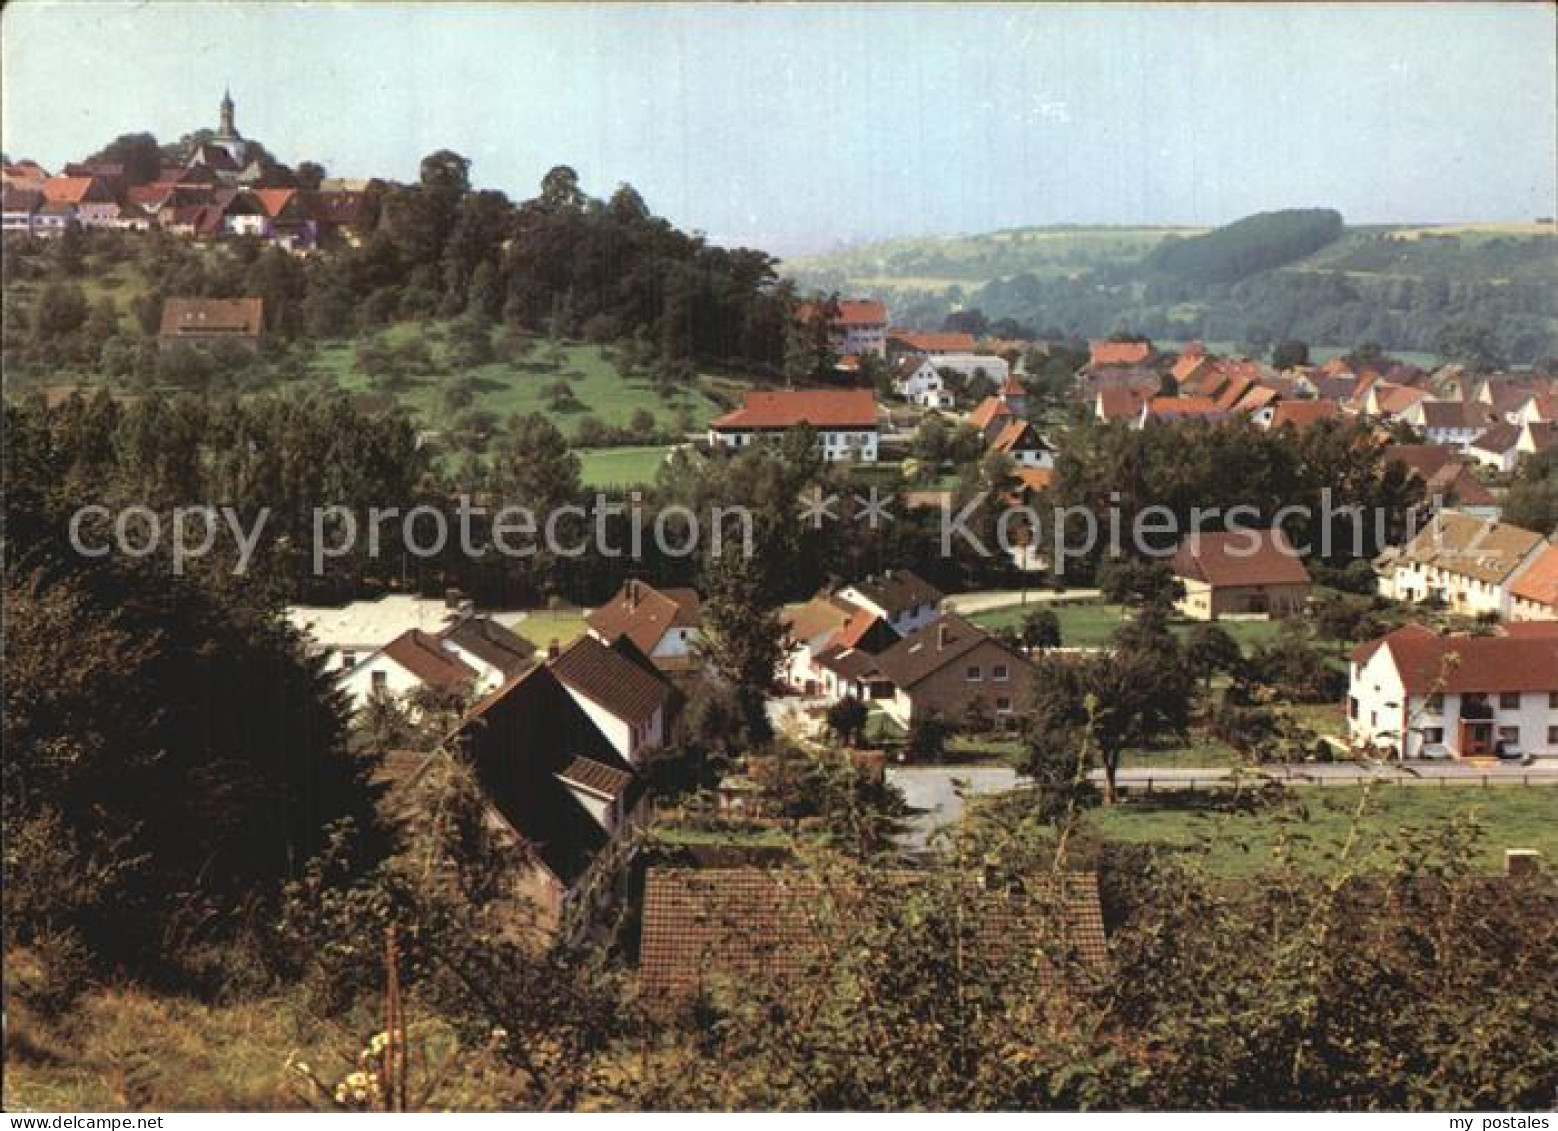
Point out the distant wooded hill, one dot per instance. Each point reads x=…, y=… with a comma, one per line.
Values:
x=1300, y=273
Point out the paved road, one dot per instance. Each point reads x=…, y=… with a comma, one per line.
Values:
x=965, y=603
x=933, y=792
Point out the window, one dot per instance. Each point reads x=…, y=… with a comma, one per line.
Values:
x=1002, y=703
x=1552, y=700
x=1509, y=700
x=1435, y=703
x=1510, y=735
x=348, y=659
x=380, y=680
x=1433, y=736
x=998, y=671
x=1552, y=736
x=974, y=674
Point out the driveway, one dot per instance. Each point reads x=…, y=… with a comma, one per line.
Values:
x=932, y=794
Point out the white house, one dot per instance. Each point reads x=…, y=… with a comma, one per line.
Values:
x=1466, y=563
x=859, y=327
x=413, y=660
x=917, y=380
x=970, y=365
x=1417, y=694
x=1021, y=442
x=621, y=693
x=906, y=601
x=844, y=420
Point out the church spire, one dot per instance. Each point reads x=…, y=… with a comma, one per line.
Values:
x=228, y=128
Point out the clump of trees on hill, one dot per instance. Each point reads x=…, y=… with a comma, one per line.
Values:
x=562, y=263
x=1255, y=243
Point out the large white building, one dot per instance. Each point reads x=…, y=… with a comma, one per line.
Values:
x=1417, y=694
x=1466, y=563
x=844, y=420
x=859, y=327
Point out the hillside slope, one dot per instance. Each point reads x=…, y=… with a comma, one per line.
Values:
x=1400, y=286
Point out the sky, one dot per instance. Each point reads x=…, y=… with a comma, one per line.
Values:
x=802, y=127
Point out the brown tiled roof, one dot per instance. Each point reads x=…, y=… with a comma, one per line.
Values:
x=1469, y=664
x=488, y=640
x=1421, y=460
x=821, y=408
x=733, y=924
x=605, y=676
x=240, y=317
x=1455, y=414
x=597, y=777
x=1169, y=408
x=933, y=647
x=1119, y=402
x=1035, y=478
x=274, y=200
x=1119, y=353
x=1539, y=583
x=422, y=656
x=71, y=190
x=1245, y=557
x=1472, y=547
x=898, y=590
x=861, y=312
x=849, y=663
x=644, y=614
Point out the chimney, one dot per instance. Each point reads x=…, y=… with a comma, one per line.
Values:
x=1522, y=861
x=633, y=594
x=941, y=637
x=553, y=649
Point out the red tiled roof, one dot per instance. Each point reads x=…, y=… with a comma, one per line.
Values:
x=1539, y=583
x=851, y=312
x=988, y=411
x=67, y=190
x=1172, y=407
x=1302, y=414
x=596, y=777
x=1243, y=557
x=1119, y=353
x=273, y=200
x=239, y=317
x=820, y=408
x=933, y=343
x=1459, y=665
x=943, y=641
x=1019, y=435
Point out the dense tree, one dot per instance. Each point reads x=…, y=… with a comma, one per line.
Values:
x=741, y=635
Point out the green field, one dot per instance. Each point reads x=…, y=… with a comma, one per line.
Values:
x=1313, y=823
x=542, y=626
x=620, y=467
x=598, y=387
x=1086, y=624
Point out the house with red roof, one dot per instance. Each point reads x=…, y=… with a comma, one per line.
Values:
x=1299, y=415
x=914, y=343
x=662, y=624
x=1021, y=442
x=620, y=690
x=859, y=327
x=845, y=421
x=1417, y=694
x=1249, y=573
x=1534, y=594
x=1169, y=409
x=917, y=380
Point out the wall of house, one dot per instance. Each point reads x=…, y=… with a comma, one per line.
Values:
x=1379, y=713
x=836, y=444
x=678, y=641
x=358, y=682
x=488, y=676
x=1415, y=581
x=1522, y=609
x=625, y=739
x=949, y=692
x=1204, y=602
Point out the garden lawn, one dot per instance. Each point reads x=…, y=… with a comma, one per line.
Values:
x=1089, y=624
x=621, y=467
x=542, y=626
x=1313, y=823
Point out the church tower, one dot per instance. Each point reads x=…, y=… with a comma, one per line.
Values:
x=228, y=129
